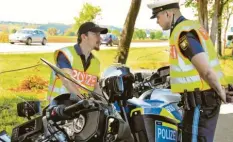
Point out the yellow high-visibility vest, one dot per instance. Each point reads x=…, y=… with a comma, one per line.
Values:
x=86, y=78
x=183, y=74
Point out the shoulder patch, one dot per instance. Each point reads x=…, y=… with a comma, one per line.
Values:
x=183, y=42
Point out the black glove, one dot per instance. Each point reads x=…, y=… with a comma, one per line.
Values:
x=56, y=113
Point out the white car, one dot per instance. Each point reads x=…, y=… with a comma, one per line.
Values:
x=28, y=36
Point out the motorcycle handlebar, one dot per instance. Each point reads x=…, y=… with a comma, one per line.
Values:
x=61, y=112
x=83, y=104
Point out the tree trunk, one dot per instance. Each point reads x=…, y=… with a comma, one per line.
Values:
x=214, y=26
x=219, y=45
x=219, y=49
x=226, y=27
x=127, y=33
x=203, y=13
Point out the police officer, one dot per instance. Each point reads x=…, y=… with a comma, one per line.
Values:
x=78, y=62
x=195, y=71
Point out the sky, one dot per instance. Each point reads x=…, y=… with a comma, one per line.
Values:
x=113, y=12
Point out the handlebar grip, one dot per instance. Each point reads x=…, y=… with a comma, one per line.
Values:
x=83, y=104
x=61, y=112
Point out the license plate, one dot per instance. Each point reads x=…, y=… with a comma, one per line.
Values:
x=165, y=132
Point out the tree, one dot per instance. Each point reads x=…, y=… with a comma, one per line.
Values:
x=139, y=34
x=152, y=35
x=219, y=35
x=52, y=31
x=214, y=27
x=127, y=33
x=203, y=13
x=229, y=12
x=158, y=34
x=88, y=14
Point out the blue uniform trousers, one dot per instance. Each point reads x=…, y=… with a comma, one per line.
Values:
x=199, y=123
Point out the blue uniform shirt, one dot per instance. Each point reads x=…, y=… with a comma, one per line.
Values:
x=63, y=62
x=193, y=45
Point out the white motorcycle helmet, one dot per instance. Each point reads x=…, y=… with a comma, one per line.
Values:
x=117, y=82
x=160, y=5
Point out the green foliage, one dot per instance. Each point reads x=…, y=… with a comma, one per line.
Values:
x=191, y=3
x=156, y=35
x=52, y=31
x=227, y=10
x=152, y=35
x=8, y=110
x=88, y=13
x=139, y=34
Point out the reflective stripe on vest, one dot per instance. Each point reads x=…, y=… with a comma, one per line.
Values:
x=190, y=79
x=183, y=74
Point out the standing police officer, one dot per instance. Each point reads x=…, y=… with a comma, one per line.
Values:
x=195, y=71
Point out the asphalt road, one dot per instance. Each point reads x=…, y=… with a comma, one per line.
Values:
x=6, y=48
x=224, y=131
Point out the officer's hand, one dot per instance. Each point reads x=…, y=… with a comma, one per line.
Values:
x=222, y=95
x=229, y=94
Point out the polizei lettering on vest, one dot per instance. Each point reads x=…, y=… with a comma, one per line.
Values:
x=84, y=78
x=166, y=134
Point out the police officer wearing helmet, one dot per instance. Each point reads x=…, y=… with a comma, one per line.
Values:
x=195, y=71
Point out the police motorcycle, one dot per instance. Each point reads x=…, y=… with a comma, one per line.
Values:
x=154, y=114
x=70, y=119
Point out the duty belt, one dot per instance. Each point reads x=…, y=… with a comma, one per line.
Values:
x=206, y=98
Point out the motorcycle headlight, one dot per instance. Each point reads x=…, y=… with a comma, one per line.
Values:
x=79, y=123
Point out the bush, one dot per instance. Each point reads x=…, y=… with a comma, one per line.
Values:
x=32, y=83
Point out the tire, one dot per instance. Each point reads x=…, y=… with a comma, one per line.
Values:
x=29, y=41
x=44, y=41
x=11, y=42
